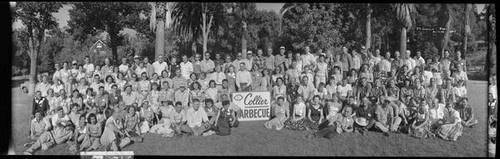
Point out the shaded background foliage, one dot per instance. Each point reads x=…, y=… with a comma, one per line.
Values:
x=319, y=25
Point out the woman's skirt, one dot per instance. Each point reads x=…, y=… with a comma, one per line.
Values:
x=300, y=125
x=422, y=132
x=450, y=131
x=107, y=136
x=314, y=125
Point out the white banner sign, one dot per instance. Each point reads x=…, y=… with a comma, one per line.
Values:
x=255, y=105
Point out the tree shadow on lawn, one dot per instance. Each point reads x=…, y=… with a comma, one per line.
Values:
x=253, y=139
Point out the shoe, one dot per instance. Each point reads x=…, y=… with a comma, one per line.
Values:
x=27, y=153
x=362, y=132
x=310, y=135
x=208, y=133
x=27, y=144
x=386, y=134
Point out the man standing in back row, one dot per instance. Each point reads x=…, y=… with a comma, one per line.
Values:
x=279, y=60
x=159, y=65
x=269, y=62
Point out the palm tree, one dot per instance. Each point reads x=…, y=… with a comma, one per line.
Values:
x=467, y=27
x=283, y=11
x=188, y=23
x=404, y=13
x=369, y=11
x=243, y=10
x=158, y=23
x=446, y=39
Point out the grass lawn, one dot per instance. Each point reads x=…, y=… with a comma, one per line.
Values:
x=252, y=139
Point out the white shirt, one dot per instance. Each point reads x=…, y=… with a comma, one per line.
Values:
x=56, y=75
x=123, y=68
x=419, y=61
x=343, y=90
x=243, y=77
x=89, y=68
x=385, y=65
x=159, y=67
x=207, y=66
x=218, y=77
x=248, y=63
x=409, y=63
x=196, y=118
x=308, y=59
x=461, y=91
x=493, y=90
x=427, y=75
x=186, y=69
x=55, y=117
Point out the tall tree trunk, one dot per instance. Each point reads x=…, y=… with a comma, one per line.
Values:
x=466, y=28
x=205, y=28
x=114, y=43
x=244, y=40
x=33, y=73
x=402, y=41
x=446, y=39
x=368, y=26
x=160, y=37
x=33, y=58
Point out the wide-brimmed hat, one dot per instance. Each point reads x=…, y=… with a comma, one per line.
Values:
x=361, y=121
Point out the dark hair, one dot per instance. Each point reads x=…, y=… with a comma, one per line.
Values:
x=178, y=103
x=225, y=80
x=282, y=98
x=209, y=100
x=196, y=82
x=91, y=115
x=211, y=81
x=112, y=79
x=196, y=100
x=170, y=103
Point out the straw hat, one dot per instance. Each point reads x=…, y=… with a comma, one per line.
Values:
x=361, y=121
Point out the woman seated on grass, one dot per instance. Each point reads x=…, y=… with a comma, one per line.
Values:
x=132, y=124
x=176, y=120
x=163, y=125
x=211, y=111
x=94, y=132
x=298, y=120
x=223, y=121
x=80, y=133
x=146, y=116
x=334, y=106
x=282, y=112
x=114, y=137
x=61, y=133
x=466, y=113
x=315, y=113
x=420, y=127
x=339, y=123
x=452, y=127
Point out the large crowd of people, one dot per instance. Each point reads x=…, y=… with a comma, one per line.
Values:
x=104, y=106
